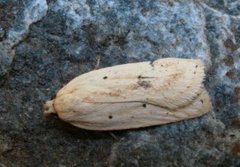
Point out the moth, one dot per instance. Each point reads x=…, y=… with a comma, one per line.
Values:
x=133, y=95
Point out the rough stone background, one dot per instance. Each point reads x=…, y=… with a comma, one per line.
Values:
x=45, y=44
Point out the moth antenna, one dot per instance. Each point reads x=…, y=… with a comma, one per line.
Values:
x=49, y=108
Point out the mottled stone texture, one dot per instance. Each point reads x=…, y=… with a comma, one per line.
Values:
x=44, y=44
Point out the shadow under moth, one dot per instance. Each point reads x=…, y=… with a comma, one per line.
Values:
x=133, y=95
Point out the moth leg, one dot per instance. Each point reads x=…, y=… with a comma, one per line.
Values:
x=113, y=136
x=97, y=63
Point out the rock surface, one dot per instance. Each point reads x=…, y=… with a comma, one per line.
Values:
x=45, y=44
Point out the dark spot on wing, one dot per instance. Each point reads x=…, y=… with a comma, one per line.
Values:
x=145, y=84
x=142, y=77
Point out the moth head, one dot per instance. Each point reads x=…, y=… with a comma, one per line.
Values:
x=48, y=108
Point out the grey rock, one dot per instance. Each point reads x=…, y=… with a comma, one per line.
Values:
x=2, y=165
x=6, y=57
x=16, y=17
x=5, y=145
x=43, y=45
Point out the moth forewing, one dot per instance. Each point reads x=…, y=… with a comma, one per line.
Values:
x=134, y=95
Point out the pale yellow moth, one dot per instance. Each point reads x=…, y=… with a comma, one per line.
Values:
x=133, y=95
